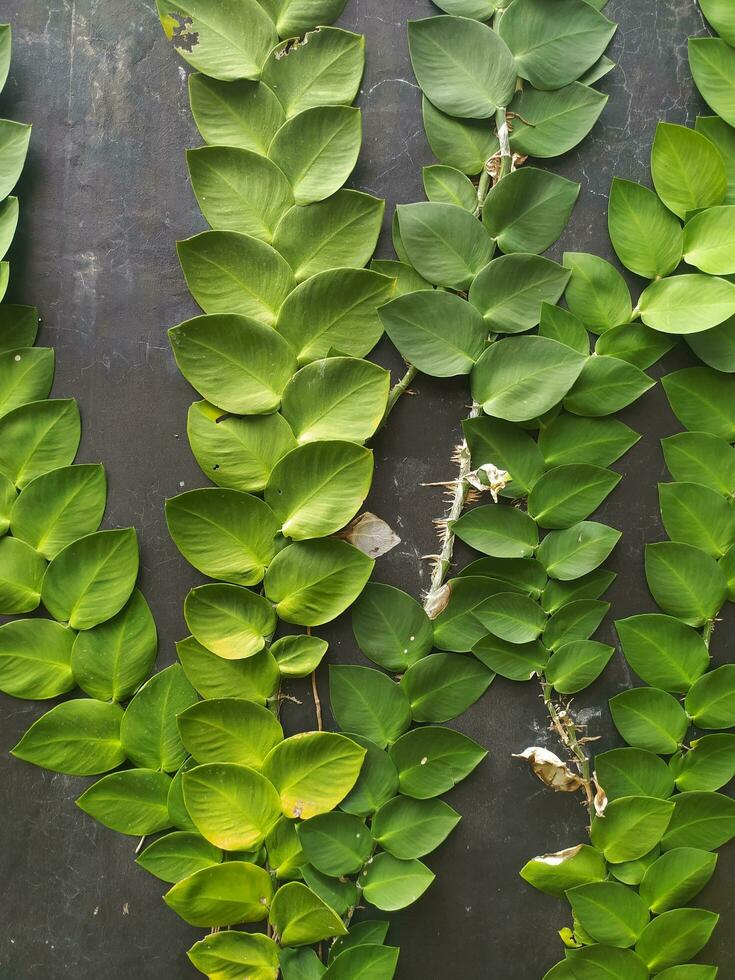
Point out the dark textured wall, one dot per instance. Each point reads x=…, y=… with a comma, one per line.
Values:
x=103, y=199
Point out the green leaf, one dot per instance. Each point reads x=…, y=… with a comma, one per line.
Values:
x=301, y=918
x=229, y=620
x=559, y=324
x=254, y=679
x=21, y=576
x=223, y=895
x=335, y=311
x=708, y=764
x=675, y=936
x=687, y=304
x=235, y=360
x=701, y=819
x=376, y=784
x=575, y=665
x=364, y=962
x=317, y=488
x=525, y=574
x=720, y=15
x=38, y=437
x=59, y=507
x=178, y=855
x=716, y=347
x=508, y=447
x=574, y=620
x=244, y=114
x=5, y=52
x=407, y=280
x=710, y=702
x=590, y=586
x=509, y=291
x=520, y=378
x=339, y=895
x=458, y=627
x=369, y=703
x=634, y=343
x=335, y=843
x=649, y=719
x=224, y=955
x=111, y=660
x=718, y=132
x=516, y=661
x=512, y=617
x=708, y=241
x=297, y=16
x=237, y=453
x=446, y=185
x=551, y=123
x=609, y=912
x=317, y=150
x=298, y=656
x=684, y=581
x=646, y=237
x=689, y=971
x=465, y=144
x=239, y=190
x=300, y=964
x=445, y=243
x=663, y=651
x=408, y=828
x=606, y=385
x=502, y=532
x=462, y=66
x=443, y=686
x=479, y=9
x=573, y=439
x=529, y=209
x=90, y=580
x=229, y=273
x=225, y=534
x=229, y=730
x=313, y=772
x=596, y=293
x=148, y=732
x=432, y=760
x=688, y=171
x=323, y=69
x=574, y=552
x=18, y=326
x=697, y=457
x=26, y=375
x=35, y=659
x=232, y=806
x=712, y=62
x=417, y=325
x=390, y=883
x=553, y=48
x=631, y=827
x=14, y=140
x=81, y=738
x=701, y=399
x=132, y=802
x=339, y=231
x=597, y=962
x=696, y=515
x=633, y=772
x=676, y=877
x=631, y=872
x=312, y=582
x=568, y=494
x=555, y=873
x=391, y=627
x=226, y=40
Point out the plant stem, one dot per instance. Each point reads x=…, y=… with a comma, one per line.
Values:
x=709, y=628
x=315, y=694
x=566, y=728
x=506, y=157
x=443, y=560
x=398, y=389
x=482, y=188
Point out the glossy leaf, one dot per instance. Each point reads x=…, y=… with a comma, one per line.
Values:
x=229, y=620
x=223, y=895
x=674, y=937
x=298, y=656
x=712, y=61
x=635, y=343
x=516, y=661
x=443, y=686
x=688, y=171
x=576, y=619
x=631, y=827
x=574, y=552
x=231, y=805
x=663, y=651
x=178, y=855
x=390, y=883
x=432, y=760
x=574, y=439
x=568, y=494
x=376, y=784
x=226, y=954
x=695, y=515
x=254, y=679
x=528, y=210
x=38, y=437
x=575, y=665
x=701, y=819
x=369, y=703
x=508, y=447
x=301, y=918
x=465, y=144
x=555, y=873
x=14, y=140
x=676, y=877
x=697, y=457
x=645, y=235
x=445, y=185
x=35, y=659
x=559, y=324
x=445, y=243
x=245, y=114
x=148, y=732
x=503, y=532
x=606, y=385
x=609, y=913
x=229, y=730
x=22, y=571
x=708, y=764
x=80, y=738
x=633, y=772
x=701, y=399
x=391, y=627
x=132, y=802
x=684, y=581
x=297, y=16
x=509, y=291
x=597, y=293
x=551, y=123
x=335, y=843
x=649, y=719
x=710, y=702
x=687, y=304
x=18, y=326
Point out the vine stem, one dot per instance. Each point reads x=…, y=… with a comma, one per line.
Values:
x=566, y=729
x=443, y=560
x=398, y=389
x=315, y=694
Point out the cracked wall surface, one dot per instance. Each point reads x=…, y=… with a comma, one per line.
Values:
x=103, y=199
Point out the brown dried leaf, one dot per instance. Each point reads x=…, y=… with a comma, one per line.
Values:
x=551, y=770
x=371, y=535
